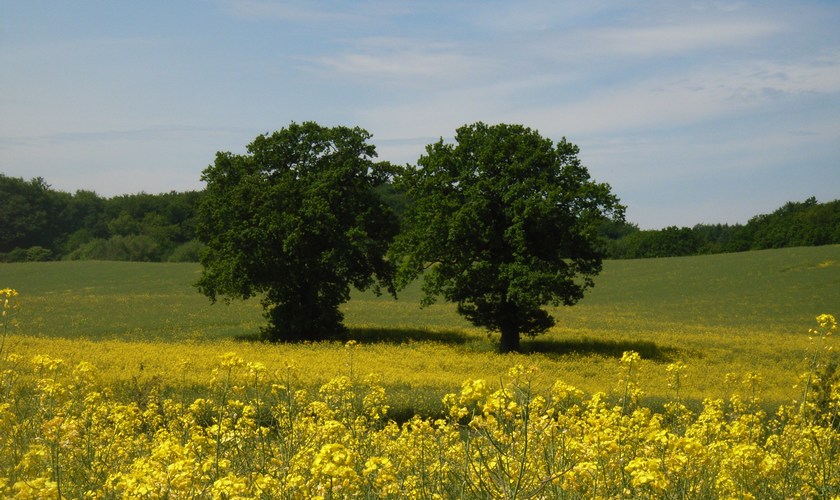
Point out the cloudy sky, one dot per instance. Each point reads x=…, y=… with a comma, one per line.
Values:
x=694, y=111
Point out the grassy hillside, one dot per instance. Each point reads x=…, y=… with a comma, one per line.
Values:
x=774, y=290
x=726, y=313
x=123, y=300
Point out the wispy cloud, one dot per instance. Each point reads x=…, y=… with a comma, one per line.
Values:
x=712, y=91
x=298, y=11
x=158, y=133
x=404, y=61
x=682, y=38
x=657, y=99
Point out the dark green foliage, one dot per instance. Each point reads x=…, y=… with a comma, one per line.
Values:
x=38, y=223
x=31, y=254
x=26, y=210
x=808, y=223
x=392, y=197
x=298, y=222
x=796, y=224
x=129, y=247
x=669, y=242
x=617, y=229
x=187, y=252
x=503, y=223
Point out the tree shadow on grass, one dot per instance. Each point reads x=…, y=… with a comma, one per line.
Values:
x=405, y=335
x=371, y=335
x=552, y=348
x=249, y=337
x=606, y=348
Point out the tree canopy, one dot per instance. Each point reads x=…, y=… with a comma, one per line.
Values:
x=502, y=223
x=297, y=220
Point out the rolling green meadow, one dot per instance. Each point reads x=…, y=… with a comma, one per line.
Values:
x=719, y=314
x=691, y=377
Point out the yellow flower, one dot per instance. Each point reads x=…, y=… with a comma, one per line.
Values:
x=229, y=487
x=647, y=472
x=9, y=305
x=46, y=363
x=230, y=360
x=630, y=358
x=827, y=321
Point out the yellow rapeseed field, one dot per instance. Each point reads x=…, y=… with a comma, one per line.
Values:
x=263, y=430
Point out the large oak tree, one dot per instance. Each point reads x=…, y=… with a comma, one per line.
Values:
x=296, y=220
x=502, y=223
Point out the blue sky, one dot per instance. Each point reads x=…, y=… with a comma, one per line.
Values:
x=694, y=111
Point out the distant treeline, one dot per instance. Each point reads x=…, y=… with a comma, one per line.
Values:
x=39, y=223
x=796, y=224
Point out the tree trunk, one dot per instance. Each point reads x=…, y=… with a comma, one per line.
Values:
x=509, y=341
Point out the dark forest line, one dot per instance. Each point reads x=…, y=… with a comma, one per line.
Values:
x=795, y=224
x=39, y=223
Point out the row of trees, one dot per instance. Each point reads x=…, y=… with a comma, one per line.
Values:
x=39, y=223
x=795, y=224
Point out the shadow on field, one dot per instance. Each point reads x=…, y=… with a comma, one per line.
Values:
x=403, y=335
x=387, y=336
x=553, y=348
x=607, y=348
x=248, y=337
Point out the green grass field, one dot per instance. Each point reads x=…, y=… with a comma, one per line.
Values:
x=730, y=313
